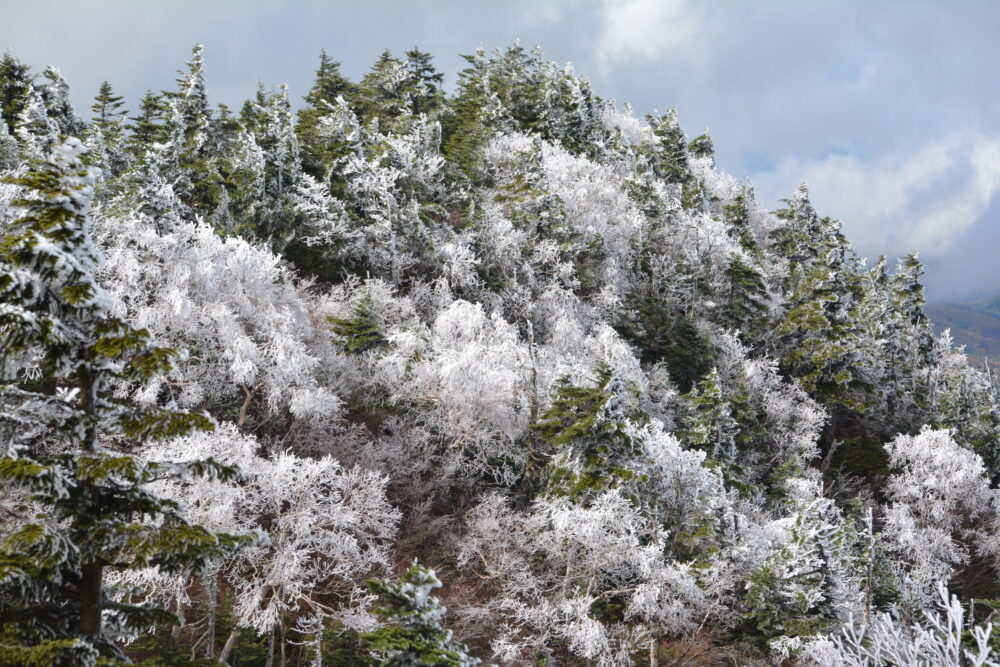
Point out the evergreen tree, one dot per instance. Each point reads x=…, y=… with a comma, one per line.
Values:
x=590, y=428
x=148, y=126
x=668, y=155
x=319, y=156
x=412, y=634
x=746, y=300
x=737, y=217
x=430, y=97
x=106, y=135
x=465, y=129
x=95, y=510
x=360, y=332
x=710, y=425
x=55, y=95
x=387, y=94
x=36, y=131
x=702, y=146
x=107, y=107
x=15, y=82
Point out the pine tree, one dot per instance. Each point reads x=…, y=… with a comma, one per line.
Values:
x=669, y=154
x=710, y=425
x=412, y=634
x=465, y=130
x=746, y=300
x=319, y=156
x=107, y=107
x=589, y=427
x=386, y=95
x=36, y=131
x=737, y=217
x=430, y=97
x=55, y=95
x=360, y=332
x=106, y=134
x=702, y=146
x=147, y=127
x=15, y=81
x=96, y=512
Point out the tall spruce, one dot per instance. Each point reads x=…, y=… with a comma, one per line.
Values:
x=95, y=511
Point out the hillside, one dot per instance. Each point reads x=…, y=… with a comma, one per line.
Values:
x=499, y=375
x=976, y=325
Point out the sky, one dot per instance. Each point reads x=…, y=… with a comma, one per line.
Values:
x=888, y=111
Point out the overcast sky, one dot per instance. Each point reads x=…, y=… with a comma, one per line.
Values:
x=889, y=111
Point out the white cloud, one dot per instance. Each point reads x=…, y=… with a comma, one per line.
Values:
x=924, y=200
x=648, y=29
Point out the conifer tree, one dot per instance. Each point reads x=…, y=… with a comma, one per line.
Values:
x=589, y=427
x=386, y=94
x=702, y=146
x=55, y=95
x=106, y=134
x=710, y=426
x=746, y=300
x=430, y=97
x=737, y=217
x=360, y=332
x=318, y=156
x=15, y=81
x=147, y=127
x=412, y=634
x=466, y=129
x=669, y=154
x=36, y=131
x=107, y=107
x=95, y=510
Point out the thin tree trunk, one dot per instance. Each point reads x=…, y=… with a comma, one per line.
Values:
x=91, y=573
x=270, y=649
x=227, y=650
x=282, y=663
x=653, y=660
x=212, y=601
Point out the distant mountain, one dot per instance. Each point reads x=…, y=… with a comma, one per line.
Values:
x=975, y=324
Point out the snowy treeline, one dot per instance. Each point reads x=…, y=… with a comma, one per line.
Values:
x=519, y=342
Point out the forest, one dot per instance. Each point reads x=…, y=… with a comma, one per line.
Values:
x=503, y=374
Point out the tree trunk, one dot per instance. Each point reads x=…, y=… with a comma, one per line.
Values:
x=270, y=649
x=210, y=633
x=227, y=650
x=92, y=573
x=91, y=587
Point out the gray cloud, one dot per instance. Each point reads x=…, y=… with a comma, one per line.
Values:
x=887, y=109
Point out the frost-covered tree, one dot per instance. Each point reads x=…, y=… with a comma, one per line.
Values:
x=412, y=616
x=63, y=354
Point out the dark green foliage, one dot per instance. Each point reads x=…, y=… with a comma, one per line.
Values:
x=746, y=300
x=15, y=82
x=702, y=146
x=737, y=216
x=710, y=425
x=668, y=156
x=360, y=332
x=107, y=107
x=148, y=126
x=589, y=429
x=319, y=155
x=661, y=334
x=412, y=634
x=429, y=96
